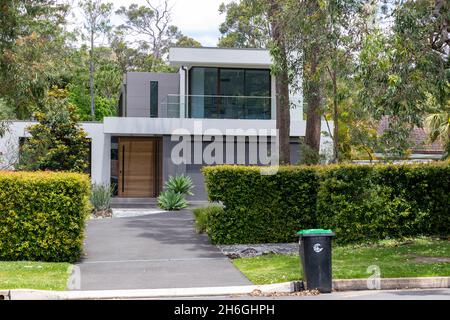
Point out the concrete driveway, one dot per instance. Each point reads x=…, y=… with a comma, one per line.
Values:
x=153, y=251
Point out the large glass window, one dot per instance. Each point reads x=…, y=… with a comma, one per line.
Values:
x=257, y=84
x=203, y=92
x=227, y=93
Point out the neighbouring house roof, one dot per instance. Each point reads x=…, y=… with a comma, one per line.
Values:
x=419, y=139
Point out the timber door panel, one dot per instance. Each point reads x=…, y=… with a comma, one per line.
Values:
x=138, y=167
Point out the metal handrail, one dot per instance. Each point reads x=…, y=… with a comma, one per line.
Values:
x=218, y=96
x=177, y=105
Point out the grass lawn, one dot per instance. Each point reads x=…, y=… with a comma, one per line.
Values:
x=33, y=275
x=415, y=258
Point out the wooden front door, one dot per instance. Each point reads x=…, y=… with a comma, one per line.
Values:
x=139, y=163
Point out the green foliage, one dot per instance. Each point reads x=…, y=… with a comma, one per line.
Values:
x=33, y=53
x=187, y=42
x=308, y=156
x=180, y=184
x=101, y=197
x=4, y=116
x=364, y=203
x=361, y=203
x=246, y=25
x=169, y=200
x=97, y=17
x=260, y=208
x=136, y=59
x=399, y=71
x=42, y=215
x=202, y=216
x=107, y=81
x=57, y=142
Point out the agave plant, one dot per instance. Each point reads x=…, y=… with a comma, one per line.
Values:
x=170, y=200
x=180, y=184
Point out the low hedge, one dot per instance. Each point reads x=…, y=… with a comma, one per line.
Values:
x=42, y=215
x=202, y=215
x=260, y=208
x=360, y=202
x=384, y=201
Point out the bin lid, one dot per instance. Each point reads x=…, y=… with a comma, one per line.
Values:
x=310, y=232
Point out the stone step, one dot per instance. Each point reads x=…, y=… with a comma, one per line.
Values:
x=131, y=203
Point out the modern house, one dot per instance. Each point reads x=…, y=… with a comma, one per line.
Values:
x=219, y=108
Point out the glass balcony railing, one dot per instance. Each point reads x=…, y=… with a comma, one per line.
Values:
x=217, y=107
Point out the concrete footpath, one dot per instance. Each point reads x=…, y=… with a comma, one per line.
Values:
x=159, y=250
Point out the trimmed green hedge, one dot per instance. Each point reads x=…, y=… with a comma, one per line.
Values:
x=42, y=215
x=202, y=215
x=360, y=202
x=260, y=208
x=385, y=201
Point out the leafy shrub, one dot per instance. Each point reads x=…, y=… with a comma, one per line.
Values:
x=57, y=142
x=42, y=215
x=360, y=202
x=169, y=200
x=202, y=215
x=180, y=184
x=101, y=197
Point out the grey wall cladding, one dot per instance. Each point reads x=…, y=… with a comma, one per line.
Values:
x=138, y=92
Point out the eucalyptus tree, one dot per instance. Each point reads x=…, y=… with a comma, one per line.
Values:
x=96, y=23
x=187, y=42
x=313, y=44
x=152, y=25
x=324, y=38
x=32, y=53
x=259, y=24
x=246, y=25
x=404, y=69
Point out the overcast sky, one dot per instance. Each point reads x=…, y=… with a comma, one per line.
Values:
x=199, y=19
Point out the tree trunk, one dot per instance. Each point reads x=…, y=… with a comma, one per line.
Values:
x=283, y=118
x=313, y=97
x=335, y=119
x=91, y=77
x=282, y=88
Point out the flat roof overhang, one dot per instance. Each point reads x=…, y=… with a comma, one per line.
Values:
x=226, y=57
x=183, y=126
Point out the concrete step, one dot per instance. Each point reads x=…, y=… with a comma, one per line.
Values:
x=147, y=203
x=132, y=203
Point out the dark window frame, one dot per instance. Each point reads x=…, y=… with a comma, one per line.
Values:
x=154, y=99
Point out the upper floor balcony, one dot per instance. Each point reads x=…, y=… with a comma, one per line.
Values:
x=217, y=107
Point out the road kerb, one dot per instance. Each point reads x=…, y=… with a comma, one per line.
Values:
x=23, y=294
x=286, y=287
x=391, y=283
